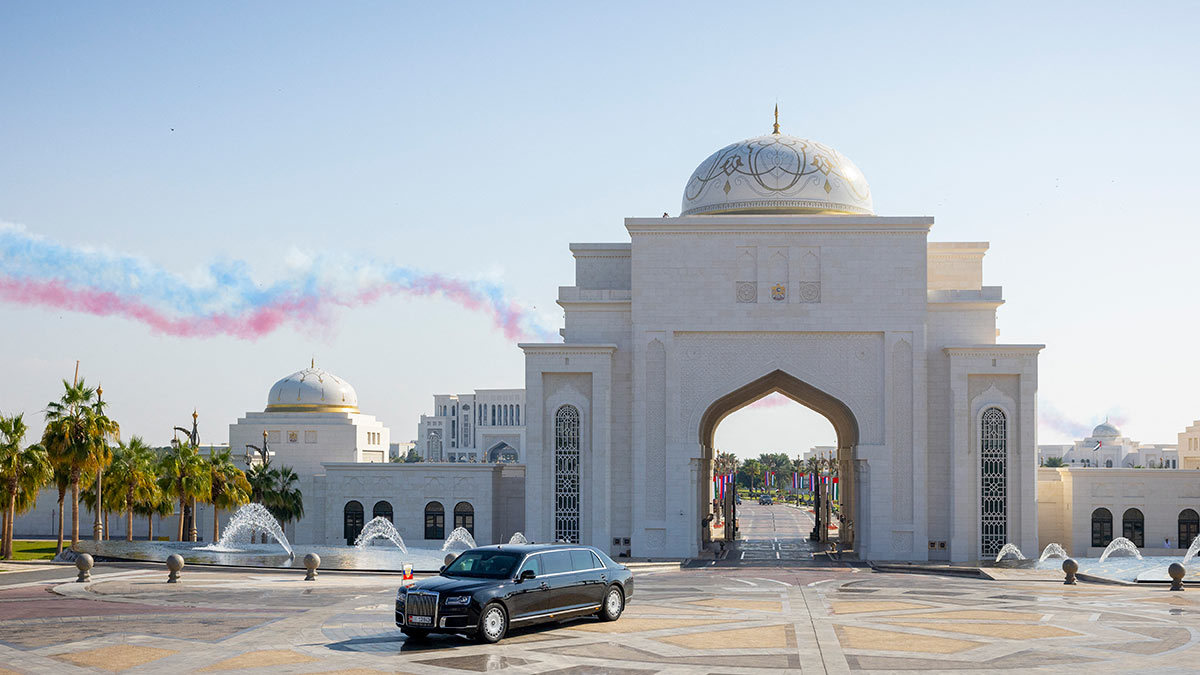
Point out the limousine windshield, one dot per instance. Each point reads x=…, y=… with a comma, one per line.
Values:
x=483, y=565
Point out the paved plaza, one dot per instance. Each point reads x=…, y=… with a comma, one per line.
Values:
x=777, y=608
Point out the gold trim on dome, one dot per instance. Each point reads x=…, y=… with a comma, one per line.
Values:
x=311, y=407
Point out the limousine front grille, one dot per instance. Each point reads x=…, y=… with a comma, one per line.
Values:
x=419, y=603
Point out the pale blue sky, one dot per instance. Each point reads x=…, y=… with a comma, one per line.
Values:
x=479, y=139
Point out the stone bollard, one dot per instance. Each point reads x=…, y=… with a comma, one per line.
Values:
x=311, y=562
x=1070, y=567
x=174, y=564
x=84, y=563
x=1176, y=572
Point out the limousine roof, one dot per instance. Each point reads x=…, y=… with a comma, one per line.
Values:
x=529, y=548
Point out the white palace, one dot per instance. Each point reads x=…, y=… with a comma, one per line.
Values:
x=777, y=276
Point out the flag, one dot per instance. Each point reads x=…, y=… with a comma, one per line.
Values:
x=1098, y=444
x=835, y=488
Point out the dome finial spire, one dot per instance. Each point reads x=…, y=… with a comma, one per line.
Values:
x=776, y=131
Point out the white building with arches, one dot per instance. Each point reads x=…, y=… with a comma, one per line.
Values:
x=778, y=277
x=483, y=426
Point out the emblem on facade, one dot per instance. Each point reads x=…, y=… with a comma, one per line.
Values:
x=810, y=291
x=778, y=292
x=747, y=292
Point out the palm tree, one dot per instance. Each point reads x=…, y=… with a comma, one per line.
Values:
x=230, y=489
x=76, y=436
x=285, y=501
x=155, y=504
x=22, y=473
x=132, y=479
x=62, y=482
x=184, y=476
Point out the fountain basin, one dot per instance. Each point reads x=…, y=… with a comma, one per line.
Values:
x=367, y=559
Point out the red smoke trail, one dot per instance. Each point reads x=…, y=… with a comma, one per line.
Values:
x=249, y=325
x=772, y=400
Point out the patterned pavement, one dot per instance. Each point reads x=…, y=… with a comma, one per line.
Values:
x=795, y=615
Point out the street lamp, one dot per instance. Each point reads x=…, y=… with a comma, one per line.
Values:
x=193, y=437
x=264, y=453
x=97, y=524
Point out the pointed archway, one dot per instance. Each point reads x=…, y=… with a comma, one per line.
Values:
x=830, y=407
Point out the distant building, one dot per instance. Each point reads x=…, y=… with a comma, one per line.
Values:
x=487, y=426
x=1189, y=446
x=1107, y=448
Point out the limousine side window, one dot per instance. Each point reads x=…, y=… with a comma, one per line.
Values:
x=533, y=562
x=582, y=559
x=556, y=562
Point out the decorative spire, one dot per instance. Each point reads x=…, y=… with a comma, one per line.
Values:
x=776, y=132
x=313, y=363
x=194, y=415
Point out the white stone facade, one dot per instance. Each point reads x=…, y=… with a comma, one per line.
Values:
x=891, y=337
x=1083, y=509
x=485, y=426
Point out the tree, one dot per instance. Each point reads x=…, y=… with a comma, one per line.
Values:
x=22, y=473
x=1051, y=462
x=776, y=461
x=412, y=456
x=750, y=473
x=184, y=475
x=285, y=501
x=229, y=490
x=76, y=437
x=725, y=463
x=132, y=479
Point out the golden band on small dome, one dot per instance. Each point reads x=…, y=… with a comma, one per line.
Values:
x=311, y=407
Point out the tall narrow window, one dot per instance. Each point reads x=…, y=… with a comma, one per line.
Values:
x=352, y=521
x=435, y=521
x=464, y=517
x=566, y=474
x=1133, y=527
x=1101, y=528
x=993, y=458
x=518, y=415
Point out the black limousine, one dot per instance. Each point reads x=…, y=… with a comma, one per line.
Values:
x=487, y=589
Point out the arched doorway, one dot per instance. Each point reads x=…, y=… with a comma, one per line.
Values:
x=833, y=409
x=382, y=509
x=352, y=521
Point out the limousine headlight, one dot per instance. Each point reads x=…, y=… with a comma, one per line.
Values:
x=401, y=594
x=458, y=600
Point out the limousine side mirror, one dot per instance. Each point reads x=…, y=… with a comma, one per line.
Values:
x=526, y=575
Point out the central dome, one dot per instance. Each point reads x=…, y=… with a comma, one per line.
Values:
x=777, y=173
x=312, y=390
x=1105, y=430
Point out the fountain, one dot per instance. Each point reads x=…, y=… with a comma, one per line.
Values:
x=1192, y=551
x=379, y=528
x=1009, y=549
x=1053, y=550
x=519, y=538
x=1120, y=544
x=459, y=537
x=249, y=519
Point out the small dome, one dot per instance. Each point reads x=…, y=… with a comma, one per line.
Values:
x=777, y=173
x=312, y=390
x=1105, y=430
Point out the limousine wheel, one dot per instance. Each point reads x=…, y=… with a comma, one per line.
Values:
x=493, y=623
x=614, y=604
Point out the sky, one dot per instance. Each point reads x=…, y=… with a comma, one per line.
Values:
x=244, y=154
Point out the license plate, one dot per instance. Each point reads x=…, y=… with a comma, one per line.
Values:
x=420, y=620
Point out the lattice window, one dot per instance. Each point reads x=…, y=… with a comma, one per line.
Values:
x=566, y=474
x=993, y=458
x=433, y=451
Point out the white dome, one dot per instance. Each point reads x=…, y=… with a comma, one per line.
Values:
x=312, y=390
x=777, y=173
x=1105, y=430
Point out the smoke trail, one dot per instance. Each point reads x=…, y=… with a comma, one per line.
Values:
x=772, y=400
x=225, y=299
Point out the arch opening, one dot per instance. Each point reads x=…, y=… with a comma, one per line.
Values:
x=839, y=415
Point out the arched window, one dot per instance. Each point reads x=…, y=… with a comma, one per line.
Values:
x=1133, y=527
x=382, y=510
x=518, y=422
x=493, y=414
x=503, y=415
x=1101, y=528
x=1108, y=463
x=435, y=521
x=352, y=521
x=1189, y=528
x=993, y=495
x=566, y=474
x=464, y=517
x=502, y=452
